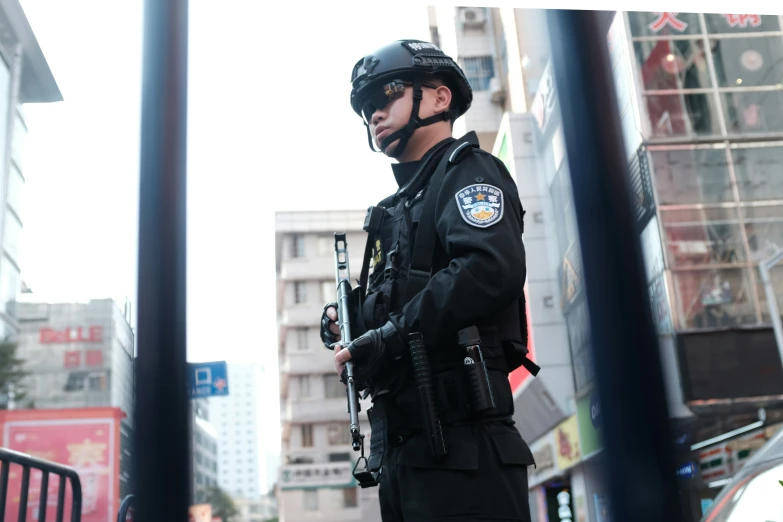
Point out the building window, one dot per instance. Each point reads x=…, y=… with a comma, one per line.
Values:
x=300, y=292
x=328, y=291
x=305, y=391
x=307, y=435
x=301, y=339
x=339, y=457
x=297, y=246
x=350, y=498
x=333, y=387
x=311, y=500
x=479, y=70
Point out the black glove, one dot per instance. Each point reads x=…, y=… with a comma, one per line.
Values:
x=327, y=336
x=372, y=350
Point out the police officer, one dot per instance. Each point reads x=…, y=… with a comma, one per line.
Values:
x=444, y=253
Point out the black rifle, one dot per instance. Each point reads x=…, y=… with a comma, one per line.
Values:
x=343, y=278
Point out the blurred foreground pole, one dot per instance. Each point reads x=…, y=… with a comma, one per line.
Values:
x=639, y=457
x=162, y=441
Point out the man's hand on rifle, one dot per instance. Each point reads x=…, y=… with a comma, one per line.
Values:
x=369, y=352
x=330, y=331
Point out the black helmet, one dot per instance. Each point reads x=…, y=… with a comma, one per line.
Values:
x=407, y=61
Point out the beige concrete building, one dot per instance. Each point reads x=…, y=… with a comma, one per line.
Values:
x=315, y=481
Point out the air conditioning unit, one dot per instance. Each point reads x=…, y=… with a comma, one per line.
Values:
x=498, y=94
x=472, y=17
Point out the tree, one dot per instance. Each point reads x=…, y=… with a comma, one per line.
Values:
x=222, y=505
x=12, y=375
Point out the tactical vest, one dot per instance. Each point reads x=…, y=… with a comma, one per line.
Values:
x=404, y=251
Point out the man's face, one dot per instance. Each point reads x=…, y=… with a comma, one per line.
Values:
x=389, y=109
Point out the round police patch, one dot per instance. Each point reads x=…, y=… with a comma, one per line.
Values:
x=480, y=205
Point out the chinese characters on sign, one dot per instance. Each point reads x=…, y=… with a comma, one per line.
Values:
x=671, y=20
x=665, y=19
x=298, y=476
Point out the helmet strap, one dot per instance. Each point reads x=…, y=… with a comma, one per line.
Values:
x=404, y=134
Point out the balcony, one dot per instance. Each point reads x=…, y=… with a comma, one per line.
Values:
x=302, y=315
x=309, y=362
x=321, y=410
x=321, y=267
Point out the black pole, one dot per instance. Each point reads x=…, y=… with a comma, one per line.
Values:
x=162, y=442
x=639, y=459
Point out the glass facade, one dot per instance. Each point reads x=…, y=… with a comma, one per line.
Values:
x=711, y=86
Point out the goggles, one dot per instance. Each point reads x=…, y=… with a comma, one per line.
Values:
x=379, y=97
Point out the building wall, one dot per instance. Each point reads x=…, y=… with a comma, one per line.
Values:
x=313, y=402
x=77, y=354
x=235, y=418
x=204, y=450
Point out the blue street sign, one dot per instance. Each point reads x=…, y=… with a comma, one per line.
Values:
x=688, y=470
x=209, y=379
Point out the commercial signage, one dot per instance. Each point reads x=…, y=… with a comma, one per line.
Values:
x=328, y=474
x=588, y=413
x=543, y=105
x=79, y=334
x=687, y=470
x=567, y=443
x=543, y=450
x=89, y=445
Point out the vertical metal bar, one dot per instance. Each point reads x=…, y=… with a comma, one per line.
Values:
x=4, y=486
x=43, y=498
x=23, y=492
x=629, y=376
x=162, y=443
x=61, y=499
x=76, y=498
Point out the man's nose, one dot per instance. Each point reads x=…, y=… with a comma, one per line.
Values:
x=378, y=116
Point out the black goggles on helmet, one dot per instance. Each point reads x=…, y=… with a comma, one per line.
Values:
x=379, y=97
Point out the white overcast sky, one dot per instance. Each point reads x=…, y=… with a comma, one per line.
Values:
x=270, y=128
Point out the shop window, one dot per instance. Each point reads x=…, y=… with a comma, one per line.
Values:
x=748, y=62
x=717, y=298
x=310, y=499
x=698, y=237
x=350, y=498
x=663, y=24
x=682, y=115
x=691, y=176
x=758, y=172
x=672, y=64
x=753, y=112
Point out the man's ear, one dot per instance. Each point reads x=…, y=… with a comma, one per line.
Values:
x=442, y=99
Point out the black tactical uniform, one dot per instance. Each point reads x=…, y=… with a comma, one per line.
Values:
x=446, y=253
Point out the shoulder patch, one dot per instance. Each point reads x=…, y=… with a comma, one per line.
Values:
x=480, y=205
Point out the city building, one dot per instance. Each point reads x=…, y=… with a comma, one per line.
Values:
x=205, y=451
x=78, y=355
x=315, y=481
x=261, y=509
x=25, y=78
x=236, y=420
x=701, y=104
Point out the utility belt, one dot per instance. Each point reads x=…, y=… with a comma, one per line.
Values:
x=395, y=418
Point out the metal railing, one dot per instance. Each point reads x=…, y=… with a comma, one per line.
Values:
x=127, y=504
x=8, y=457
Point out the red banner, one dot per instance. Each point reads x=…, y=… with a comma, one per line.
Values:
x=518, y=377
x=86, y=445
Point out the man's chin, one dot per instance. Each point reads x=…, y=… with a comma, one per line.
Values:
x=389, y=151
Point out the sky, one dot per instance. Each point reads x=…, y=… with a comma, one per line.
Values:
x=270, y=129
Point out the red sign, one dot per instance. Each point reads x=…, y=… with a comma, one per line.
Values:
x=93, y=334
x=665, y=19
x=743, y=20
x=94, y=358
x=87, y=445
x=73, y=360
x=518, y=377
